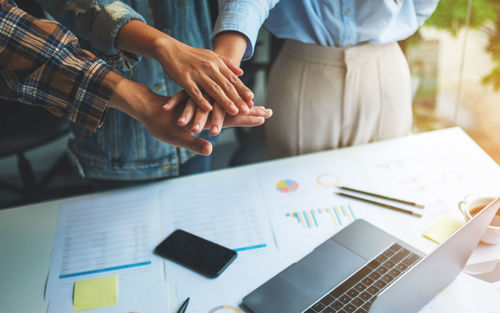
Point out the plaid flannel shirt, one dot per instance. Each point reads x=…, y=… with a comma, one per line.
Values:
x=42, y=64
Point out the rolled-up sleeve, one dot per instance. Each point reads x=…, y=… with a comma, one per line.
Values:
x=244, y=16
x=41, y=64
x=97, y=21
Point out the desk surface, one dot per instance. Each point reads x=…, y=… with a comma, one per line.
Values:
x=27, y=233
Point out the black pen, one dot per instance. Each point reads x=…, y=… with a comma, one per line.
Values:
x=184, y=306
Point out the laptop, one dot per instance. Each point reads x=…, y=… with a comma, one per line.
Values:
x=363, y=269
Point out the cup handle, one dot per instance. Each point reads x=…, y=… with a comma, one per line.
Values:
x=462, y=206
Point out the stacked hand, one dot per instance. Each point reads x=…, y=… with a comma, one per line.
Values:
x=141, y=103
x=223, y=92
x=217, y=76
x=198, y=119
x=202, y=73
x=229, y=47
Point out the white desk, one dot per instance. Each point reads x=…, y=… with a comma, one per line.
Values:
x=27, y=233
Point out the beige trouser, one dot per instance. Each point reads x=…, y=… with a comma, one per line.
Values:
x=325, y=97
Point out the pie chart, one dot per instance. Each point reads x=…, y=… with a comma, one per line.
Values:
x=287, y=186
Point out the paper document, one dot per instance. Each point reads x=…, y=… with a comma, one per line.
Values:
x=301, y=203
x=105, y=235
x=228, y=211
x=250, y=270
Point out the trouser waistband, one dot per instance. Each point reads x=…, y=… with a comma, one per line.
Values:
x=335, y=55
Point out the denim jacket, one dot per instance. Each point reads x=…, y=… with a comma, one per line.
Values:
x=122, y=148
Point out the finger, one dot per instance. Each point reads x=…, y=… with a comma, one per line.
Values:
x=260, y=111
x=243, y=91
x=186, y=140
x=178, y=98
x=215, y=91
x=233, y=67
x=250, y=104
x=230, y=90
x=217, y=120
x=187, y=114
x=243, y=121
x=194, y=93
x=200, y=120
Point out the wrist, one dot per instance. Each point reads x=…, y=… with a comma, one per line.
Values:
x=162, y=47
x=142, y=39
x=171, y=54
x=131, y=98
x=232, y=45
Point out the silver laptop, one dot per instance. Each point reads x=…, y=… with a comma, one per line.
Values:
x=364, y=269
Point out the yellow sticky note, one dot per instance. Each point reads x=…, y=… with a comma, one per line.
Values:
x=442, y=229
x=95, y=293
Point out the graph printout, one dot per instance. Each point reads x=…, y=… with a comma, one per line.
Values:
x=330, y=216
x=104, y=235
x=228, y=211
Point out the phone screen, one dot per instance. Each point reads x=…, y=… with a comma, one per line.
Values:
x=198, y=254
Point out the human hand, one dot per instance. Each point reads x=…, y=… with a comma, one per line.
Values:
x=163, y=124
x=192, y=68
x=230, y=46
x=217, y=119
x=141, y=103
x=195, y=69
x=197, y=119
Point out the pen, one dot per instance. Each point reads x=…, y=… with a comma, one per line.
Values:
x=184, y=306
x=421, y=206
x=388, y=206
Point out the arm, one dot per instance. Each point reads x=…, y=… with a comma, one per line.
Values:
x=244, y=17
x=141, y=103
x=97, y=21
x=192, y=68
x=235, y=33
x=41, y=64
x=231, y=44
x=112, y=26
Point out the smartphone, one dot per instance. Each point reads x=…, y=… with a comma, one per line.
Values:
x=198, y=254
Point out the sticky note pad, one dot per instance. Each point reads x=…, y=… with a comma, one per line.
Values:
x=95, y=293
x=442, y=229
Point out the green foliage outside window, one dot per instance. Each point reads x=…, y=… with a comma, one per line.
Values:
x=451, y=15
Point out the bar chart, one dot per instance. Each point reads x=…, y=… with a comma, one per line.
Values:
x=336, y=216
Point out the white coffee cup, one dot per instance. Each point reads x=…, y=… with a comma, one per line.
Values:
x=473, y=205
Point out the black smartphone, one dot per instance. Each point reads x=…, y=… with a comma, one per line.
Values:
x=198, y=254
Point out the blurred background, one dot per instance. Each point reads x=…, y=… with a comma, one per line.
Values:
x=455, y=65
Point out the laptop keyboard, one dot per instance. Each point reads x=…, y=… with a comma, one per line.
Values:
x=357, y=293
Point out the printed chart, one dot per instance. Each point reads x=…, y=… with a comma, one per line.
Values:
x=328, y=216
x=287, y=186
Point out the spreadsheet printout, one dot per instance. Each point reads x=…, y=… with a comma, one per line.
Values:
x=228, y=211
x=105, y=235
